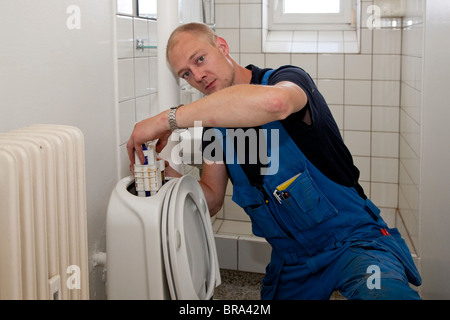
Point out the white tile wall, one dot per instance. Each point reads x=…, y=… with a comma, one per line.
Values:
x=332, y=90
x=251, y=40
x=358, y=66
x=358, y=92
x=307, y=61
x=124, y=36
x=248, y=18
x=386, y=93
x=384, y=170
x=387, y=41
x=357, y=118
x=331, y=66
x=386, y=67
x=126, y=79
x=127, y=120
x=385, y=144
x=358, y=142
x=227, y=15
x=137, y=78
x=312, y=41
x=385, y=119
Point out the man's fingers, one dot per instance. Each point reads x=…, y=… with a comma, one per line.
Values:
x=130, y=150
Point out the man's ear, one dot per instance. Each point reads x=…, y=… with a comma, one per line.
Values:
x=222, y=44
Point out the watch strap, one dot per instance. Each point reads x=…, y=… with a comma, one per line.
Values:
x=172, y=118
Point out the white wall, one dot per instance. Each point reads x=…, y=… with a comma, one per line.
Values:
x=53, y=74
x=435, y=155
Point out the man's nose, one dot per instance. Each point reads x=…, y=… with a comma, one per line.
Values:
x=198, y=74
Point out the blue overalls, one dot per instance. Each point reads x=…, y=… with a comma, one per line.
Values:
x=324, y=236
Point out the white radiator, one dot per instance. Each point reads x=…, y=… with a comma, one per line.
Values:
x=43, y=229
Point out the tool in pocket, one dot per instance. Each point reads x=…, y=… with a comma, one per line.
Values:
x=280, y=194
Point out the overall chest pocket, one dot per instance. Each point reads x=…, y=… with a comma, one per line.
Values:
x=301, y=199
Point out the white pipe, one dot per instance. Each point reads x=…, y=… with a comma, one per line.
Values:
x=168, y=83
x=99, y=259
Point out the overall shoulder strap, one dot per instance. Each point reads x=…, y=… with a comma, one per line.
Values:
x=265, y=79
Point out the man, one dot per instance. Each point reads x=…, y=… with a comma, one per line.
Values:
x=325, y=234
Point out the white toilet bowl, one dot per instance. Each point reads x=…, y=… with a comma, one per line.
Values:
x=160, y=247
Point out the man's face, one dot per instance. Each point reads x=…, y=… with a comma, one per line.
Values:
x=203, y=66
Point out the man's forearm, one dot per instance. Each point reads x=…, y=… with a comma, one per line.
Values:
x=240, y=106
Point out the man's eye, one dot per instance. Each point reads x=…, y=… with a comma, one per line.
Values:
x=186, y=74
x=201, y=59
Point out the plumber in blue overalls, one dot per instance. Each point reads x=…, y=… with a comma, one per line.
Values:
x=325, y=234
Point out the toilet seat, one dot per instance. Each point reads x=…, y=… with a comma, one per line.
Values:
x=188, y=243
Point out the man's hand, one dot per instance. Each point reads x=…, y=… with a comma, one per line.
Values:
x=150, y=129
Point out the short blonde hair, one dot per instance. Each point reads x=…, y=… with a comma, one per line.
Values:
x=200, y=30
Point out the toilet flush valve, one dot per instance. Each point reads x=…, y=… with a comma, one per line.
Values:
x=147, y=176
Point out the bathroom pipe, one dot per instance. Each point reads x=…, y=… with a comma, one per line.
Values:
x=168, y=83
x=99, y=259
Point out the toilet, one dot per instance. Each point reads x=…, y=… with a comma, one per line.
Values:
x=162, y=246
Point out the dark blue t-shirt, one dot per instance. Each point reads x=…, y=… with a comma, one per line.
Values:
x=320, y=141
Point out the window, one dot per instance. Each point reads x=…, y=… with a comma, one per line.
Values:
x=147, y=9
x=125, y=7
x=141, y=8
x=321, y=6
x=311, y=15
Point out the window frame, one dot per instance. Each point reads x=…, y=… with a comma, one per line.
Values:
x=278, y=20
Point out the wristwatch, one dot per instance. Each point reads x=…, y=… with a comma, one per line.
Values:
x=172, y=120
